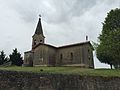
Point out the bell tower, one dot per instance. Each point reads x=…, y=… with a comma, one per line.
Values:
x=38, y=36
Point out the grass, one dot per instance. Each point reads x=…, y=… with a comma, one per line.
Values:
x=66, y=70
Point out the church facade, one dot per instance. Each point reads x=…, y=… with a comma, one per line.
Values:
x=42, y=54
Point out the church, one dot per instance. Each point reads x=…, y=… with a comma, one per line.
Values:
x=42, y=54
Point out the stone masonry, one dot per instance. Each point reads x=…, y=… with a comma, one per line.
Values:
x=12, y=80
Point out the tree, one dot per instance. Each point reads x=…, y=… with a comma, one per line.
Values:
x=107, y=50
x=16, y=58
x=3, y=58
x=114, y=38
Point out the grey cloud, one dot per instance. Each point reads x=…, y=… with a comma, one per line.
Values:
x=54, y=11
x=66, y=9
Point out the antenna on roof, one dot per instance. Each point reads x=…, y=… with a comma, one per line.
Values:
x=86, y=38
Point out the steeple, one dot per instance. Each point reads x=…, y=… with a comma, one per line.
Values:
x=39, y=27
x=38, y=36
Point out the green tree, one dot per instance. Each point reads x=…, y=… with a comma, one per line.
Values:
x=16, y=58
x=107, y=50
x=3, y=58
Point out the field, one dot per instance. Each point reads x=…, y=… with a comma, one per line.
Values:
x=66, y=70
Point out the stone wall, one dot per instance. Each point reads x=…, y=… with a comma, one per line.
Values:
x=11, y=80
x=79, y=54
x=40, y=55
x=44, y=55
x=28, y=58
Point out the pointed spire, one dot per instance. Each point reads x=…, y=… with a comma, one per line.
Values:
x=39, y=27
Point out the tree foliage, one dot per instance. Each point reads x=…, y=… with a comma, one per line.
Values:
x=108, y=49
x=3, y=58
x=16, y=58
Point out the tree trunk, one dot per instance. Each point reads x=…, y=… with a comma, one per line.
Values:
x=111, y=66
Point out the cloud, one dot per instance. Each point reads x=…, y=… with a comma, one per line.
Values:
x=53, y=10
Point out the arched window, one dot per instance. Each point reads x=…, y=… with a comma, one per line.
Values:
x=71, y=56
x=88, y=50
x=61, y=56
x=41, y=41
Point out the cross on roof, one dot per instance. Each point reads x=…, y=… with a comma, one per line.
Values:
x=40, y=15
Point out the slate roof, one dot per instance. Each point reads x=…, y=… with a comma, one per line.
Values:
x=65, y=46
x=39, y=28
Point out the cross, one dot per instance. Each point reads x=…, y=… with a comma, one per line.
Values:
x=40, y=15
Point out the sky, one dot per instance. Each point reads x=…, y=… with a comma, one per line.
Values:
x=63, y=21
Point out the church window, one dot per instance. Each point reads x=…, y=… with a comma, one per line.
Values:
x=61, y=56
x=40, y=40
x=71, y=56
x=88, y=50
x=83, y=55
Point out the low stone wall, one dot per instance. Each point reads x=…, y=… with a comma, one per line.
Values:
x=12, y=80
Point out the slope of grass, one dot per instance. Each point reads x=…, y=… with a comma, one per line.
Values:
x=66, y=70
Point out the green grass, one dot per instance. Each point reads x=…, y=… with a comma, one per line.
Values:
x=66, y=70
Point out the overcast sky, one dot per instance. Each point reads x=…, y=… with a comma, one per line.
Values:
x=64, y=22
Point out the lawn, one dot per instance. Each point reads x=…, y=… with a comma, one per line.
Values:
x=66, y=70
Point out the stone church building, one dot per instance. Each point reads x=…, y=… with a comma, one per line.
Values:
x=42, y=54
